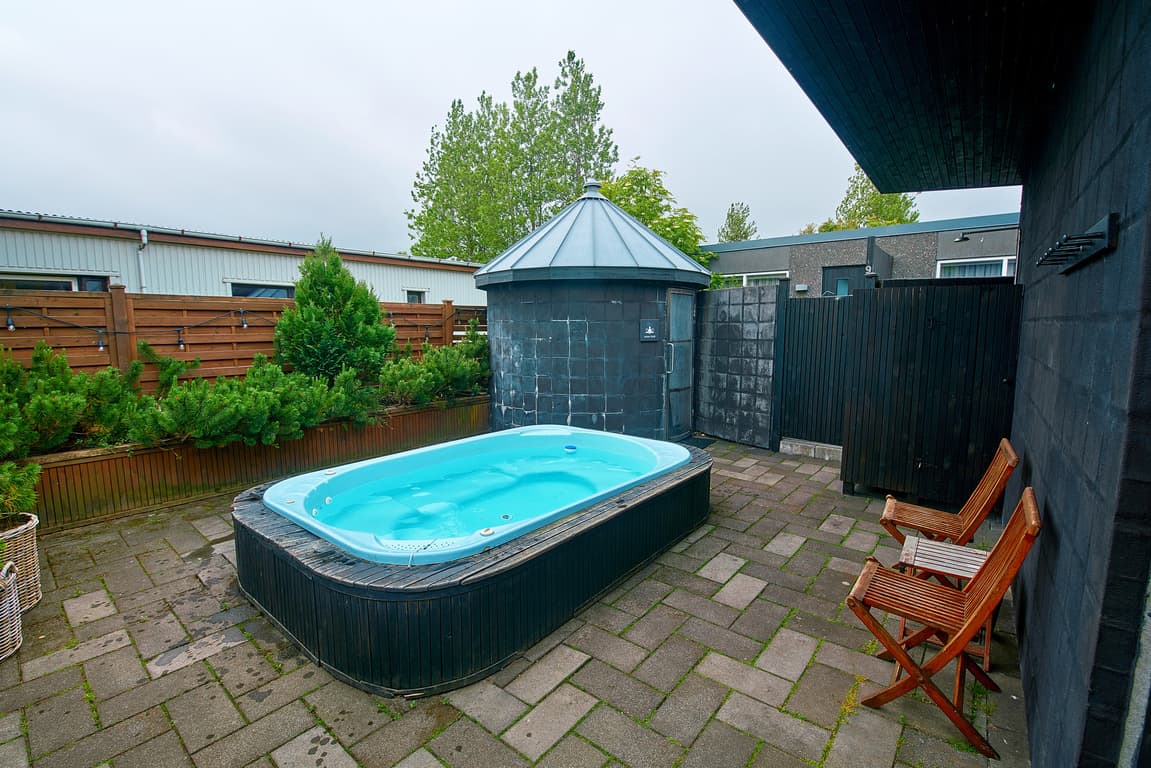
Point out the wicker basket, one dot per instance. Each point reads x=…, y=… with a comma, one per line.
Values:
x=21, y=549
x=11, y=634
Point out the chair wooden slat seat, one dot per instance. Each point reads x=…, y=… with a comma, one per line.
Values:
x=949, y=615
x=938, y=557
x=958, y=528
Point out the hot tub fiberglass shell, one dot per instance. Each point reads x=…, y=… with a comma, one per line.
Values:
x=424, y=628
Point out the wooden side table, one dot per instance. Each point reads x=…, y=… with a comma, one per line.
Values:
x=953, y=565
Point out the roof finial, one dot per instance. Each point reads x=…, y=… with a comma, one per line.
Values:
x=591, y=188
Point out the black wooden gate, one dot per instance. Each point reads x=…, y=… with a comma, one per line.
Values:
x=934, y=385
x=915, y=379
x=817, y=360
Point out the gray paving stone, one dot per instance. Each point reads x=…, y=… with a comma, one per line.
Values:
x=837, y=524
x=349, y=713
x=278, y=692
x=88, y=607
x=630, y=696
x=204, y=715
x=846, y=567
x=611, y=619
x=918, y=748
x=213, y=528
x=133, y=702
x=656, y=626
x=771, y=757
x=855, y=662
x=487, y=704
x=820, y=695
x=466, y=745
x=573, y=752
x=538, y=730
x=688, y=709
x=259, y=738
x=58, y=720
x=421, y=758
x=852, y=636
x=760, y=620
x=720, y=746
x=541, y=678
x=41, y=688
x=740, y=591
x=785, y=544
x=721, y=567
x=720, y=639
x=628, y=741
x=755, y=683
x=115, y=672
x=642, y=598
x=702, y=607
x=545, y=646
x=400, y=738
x=13, y=754
x=221, y=620
x=861, y=541
x=198, y=650
x=89, y=649
x=788, y=654
x=608, y=647
x=315, y=747
x=864, y=738
x=242, y=668
x=9, y=727
x=164, y=751
x=788, y=733
x=109, y=742
x=154, y=635
x=670, y=662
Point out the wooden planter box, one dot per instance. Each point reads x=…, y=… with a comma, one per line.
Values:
x=82, y=486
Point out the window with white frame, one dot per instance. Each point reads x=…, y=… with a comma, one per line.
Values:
x=751, y=278
x=997, y=266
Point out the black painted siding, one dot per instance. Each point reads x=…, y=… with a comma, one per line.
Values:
x=1082, y=423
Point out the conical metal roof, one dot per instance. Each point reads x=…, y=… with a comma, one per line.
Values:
x=592, y=239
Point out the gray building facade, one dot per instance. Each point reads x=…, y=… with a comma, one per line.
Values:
x=830, y=263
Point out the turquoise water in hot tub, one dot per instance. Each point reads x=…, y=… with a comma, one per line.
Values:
x=455, y=499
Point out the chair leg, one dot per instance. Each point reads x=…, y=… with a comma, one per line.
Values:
x=917, y=678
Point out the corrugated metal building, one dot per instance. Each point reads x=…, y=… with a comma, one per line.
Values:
x=56, y=253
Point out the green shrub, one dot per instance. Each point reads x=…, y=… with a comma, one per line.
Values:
x=336, y=324
x=170, y=369
x=48, y=398
x=349, y=400
x=453, y=370
x=407, y=381
x=112, y=399
x=17, y=489
x=265, y=406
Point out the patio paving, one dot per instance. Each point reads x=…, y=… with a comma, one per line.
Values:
x=734, y=648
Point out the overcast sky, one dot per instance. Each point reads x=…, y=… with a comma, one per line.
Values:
x=284, y=120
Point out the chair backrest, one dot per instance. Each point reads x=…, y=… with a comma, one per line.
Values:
x=988, y=491
x=991, y=581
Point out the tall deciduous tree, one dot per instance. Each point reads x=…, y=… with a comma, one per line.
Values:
x=737, y=225
x=642, y=193
x=495, y=173
x=864, y=206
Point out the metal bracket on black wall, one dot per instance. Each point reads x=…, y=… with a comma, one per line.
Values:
x=1073, y=251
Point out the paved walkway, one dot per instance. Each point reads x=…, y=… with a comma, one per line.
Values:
x=733, y=649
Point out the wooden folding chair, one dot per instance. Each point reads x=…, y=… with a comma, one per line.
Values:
x=951, y=616
x=945, y=526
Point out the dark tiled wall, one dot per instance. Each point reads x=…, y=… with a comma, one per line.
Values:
x=1082, y=421
x=569, y=352
x=735, y=361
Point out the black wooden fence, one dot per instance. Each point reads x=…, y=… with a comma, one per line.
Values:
x=915, y=380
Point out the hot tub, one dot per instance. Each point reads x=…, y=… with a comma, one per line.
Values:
x=461, y=601
x=448, y=501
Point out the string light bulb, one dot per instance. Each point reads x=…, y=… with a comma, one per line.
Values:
x=11, y=325
x=180, y=339
x=243, y=319
x=99, y=340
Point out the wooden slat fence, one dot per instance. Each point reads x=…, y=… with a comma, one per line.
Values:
x=101, y=329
